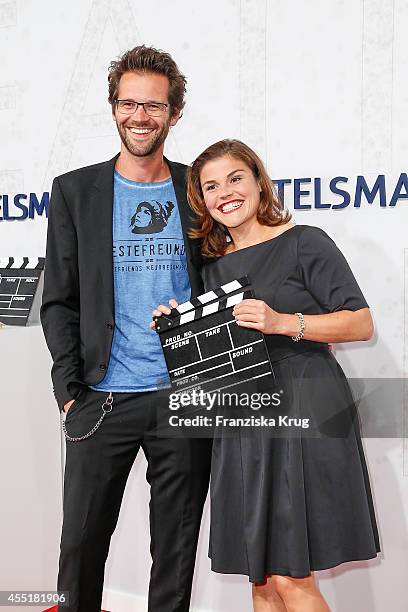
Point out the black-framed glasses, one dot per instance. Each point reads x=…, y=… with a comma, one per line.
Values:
x=153, y=109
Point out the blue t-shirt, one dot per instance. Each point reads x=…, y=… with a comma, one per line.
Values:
x=149, y=268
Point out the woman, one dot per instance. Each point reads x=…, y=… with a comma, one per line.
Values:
x=284, y=507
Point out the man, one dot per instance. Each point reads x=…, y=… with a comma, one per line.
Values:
x=117, y=246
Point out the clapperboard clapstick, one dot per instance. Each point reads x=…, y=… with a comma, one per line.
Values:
x=19, y=278
x=205, y=349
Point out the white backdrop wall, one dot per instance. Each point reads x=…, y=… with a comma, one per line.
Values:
x=319, y=90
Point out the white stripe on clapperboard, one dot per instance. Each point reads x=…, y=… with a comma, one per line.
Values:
x=232, y=286
x=234, y=299
x=209, y=296
x=198, y=348
x=210, y=309
x=17, y=263
x=184, y=306
x=203, y=299
x=32, y=262
x=187, y=317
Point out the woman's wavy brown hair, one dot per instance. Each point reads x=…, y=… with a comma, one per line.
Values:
x=213, y=235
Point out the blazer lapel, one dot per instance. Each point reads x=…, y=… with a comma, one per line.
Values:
x=193, y=251
x=178, y=175
x=103, y=192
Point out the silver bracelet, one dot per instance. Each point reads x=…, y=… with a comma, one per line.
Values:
x=301, y=333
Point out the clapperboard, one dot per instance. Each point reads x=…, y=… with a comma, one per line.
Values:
x=205, y=349
x=19, y=278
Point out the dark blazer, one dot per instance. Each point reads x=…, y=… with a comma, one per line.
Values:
x=77, y=311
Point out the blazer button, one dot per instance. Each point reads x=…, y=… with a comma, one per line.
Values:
x=109, y=326
x=102, y=366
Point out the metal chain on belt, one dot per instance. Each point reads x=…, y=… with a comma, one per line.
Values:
x=106, y=407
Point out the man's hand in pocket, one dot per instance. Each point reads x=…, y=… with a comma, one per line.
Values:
x=68, y=405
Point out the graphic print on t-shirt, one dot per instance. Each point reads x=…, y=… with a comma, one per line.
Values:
x=147, y=232
x=151, y=217
x=149, y=268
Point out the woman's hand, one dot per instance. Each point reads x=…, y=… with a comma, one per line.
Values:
x=256, y=314
x=339, y=326
x=157, y=312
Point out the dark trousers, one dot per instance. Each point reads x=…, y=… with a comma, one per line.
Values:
x=96, y=472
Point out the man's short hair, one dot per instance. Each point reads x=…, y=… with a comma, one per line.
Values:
x=148, y=59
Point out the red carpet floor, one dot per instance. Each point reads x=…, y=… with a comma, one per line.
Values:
x=55, y=609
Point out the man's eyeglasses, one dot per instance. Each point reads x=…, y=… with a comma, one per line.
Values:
x=153, y=109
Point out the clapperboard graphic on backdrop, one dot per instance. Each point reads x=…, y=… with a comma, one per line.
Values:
x=19, y=278
x=205, y=349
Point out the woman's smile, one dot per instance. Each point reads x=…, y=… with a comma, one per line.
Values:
x=230, y=207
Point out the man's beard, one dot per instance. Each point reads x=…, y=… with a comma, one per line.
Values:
x=146, y=148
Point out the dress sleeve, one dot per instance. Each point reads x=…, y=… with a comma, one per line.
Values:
x=326, y=273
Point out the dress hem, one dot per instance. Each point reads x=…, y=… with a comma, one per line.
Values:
x=294, y=573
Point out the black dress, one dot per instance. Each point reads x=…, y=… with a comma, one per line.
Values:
x=291, y=505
